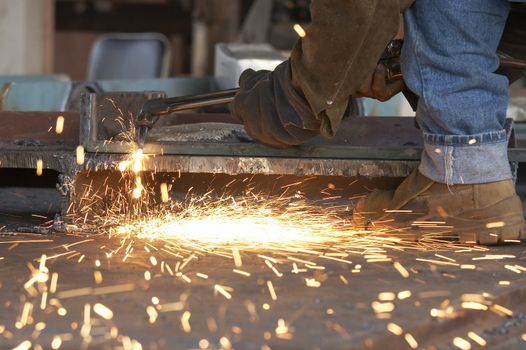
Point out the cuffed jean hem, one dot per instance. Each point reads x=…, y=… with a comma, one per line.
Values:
x=466, y=160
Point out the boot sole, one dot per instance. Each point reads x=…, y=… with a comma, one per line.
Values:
x=504, y=235
x=504, y=229
x=475, y=233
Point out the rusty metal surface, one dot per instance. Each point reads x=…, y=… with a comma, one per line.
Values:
x=107, y=115
x=358, y=138
x=54, y=159
x=261, y=165
x=39, y=127
x=26, y=138
x=281, y=166
x=98, y=109
x=368, y=147
x=364, y=138
x=65, y=162
x=376, y=132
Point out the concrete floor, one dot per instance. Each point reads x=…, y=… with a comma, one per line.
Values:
x=339, y=314
x=356, y=299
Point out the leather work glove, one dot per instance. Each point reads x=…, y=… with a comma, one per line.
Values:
x=309, y=94
x=376, y=86
x=273, y=112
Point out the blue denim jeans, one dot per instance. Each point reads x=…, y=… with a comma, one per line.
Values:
x=449, y=60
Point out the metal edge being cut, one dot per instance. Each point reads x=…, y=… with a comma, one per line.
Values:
x=65, y=163
x=260, y=165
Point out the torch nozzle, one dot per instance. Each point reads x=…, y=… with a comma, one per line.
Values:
x=142, y=134
x=155, y=108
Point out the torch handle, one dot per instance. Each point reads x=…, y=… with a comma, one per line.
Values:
x=164, y=106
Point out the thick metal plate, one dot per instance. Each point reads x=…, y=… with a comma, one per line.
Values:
x=105, y=115
x=38, y=128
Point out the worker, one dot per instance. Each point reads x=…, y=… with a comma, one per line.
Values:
x=449, y=61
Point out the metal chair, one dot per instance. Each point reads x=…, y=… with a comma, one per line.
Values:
x=42, y=96
x=129, y=56
x=32, y=78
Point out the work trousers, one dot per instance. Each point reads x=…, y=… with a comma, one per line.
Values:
x=449, y=60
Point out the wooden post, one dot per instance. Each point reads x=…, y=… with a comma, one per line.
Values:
x=215, y=21
x=26, y=36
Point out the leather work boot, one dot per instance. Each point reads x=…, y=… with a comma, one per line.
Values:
x=421, y=208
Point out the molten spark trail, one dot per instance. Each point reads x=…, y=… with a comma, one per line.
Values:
x=244, y=224
x=200, y=261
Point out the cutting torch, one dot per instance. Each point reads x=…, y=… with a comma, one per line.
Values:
x=155, y=108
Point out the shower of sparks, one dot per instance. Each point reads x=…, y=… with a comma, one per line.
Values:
x=80, y=155
x=59, y=126
x=411, y=341
x=299, y=30
x=462, y=343
x=40, y=167
x=254, y=221
x=272, y=291
x=103, y=311
x=246, y=224
x=395, y=329
x=164, y=193
x=265, y=242
x=287, y=234
x=477, y=338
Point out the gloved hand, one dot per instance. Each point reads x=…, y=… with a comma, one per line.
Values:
x=341, y=49
x=309, y=94
x=376, y=85
x=273, y=112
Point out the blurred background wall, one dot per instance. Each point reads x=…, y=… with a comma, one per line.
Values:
x=56, y=36
x=27, y=36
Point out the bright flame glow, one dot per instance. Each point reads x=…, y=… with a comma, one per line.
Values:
x=138, y=161
x=80, y=155
x=135, y=164
x=246, y=225
x=59, y=126
x=287, y=223
x=137, y=191
x=299, y=30
x=40, y=167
